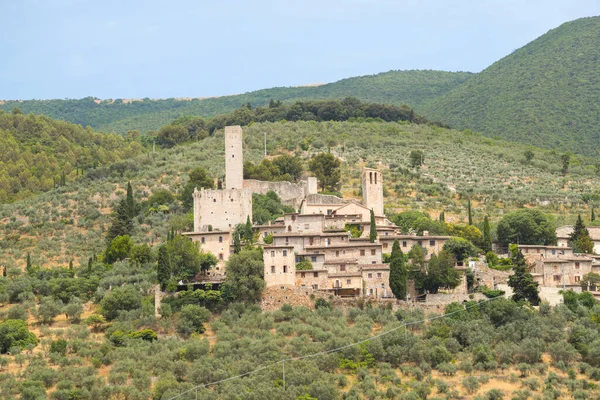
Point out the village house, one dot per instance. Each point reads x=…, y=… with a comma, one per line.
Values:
x=563, y=233
x=556, y=266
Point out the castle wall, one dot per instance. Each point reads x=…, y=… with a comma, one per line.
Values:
x=221, y=209
x=290, y=193
x=234, y=158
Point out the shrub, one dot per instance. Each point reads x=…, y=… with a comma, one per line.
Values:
x=14, y=333
x=123, y=298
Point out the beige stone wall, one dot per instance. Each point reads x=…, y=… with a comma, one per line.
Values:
x=221, y=209
x=219, y=243
x=552, y=272
x=321, y=204
x=290, y=193
x=315, y=279
x=372, y=190
x=299, y=223
x=280, y=265
x=433, y=244
x=376, y=281
x=234, y=158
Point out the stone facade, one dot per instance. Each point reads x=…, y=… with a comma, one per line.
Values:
x=219, y=243
x=221, y=209
x=280, y=265
x=290, y=193
x=234, y=158
x=372, y=190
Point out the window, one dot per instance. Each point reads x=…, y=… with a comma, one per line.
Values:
x=272, y=269
x=303, y=275
x=337, y=283
x=272, y=253
x=315, y=274
x=348, y=281
x=337, y=253
x=342, y=268
x=287, y=240
x=362, y=252
x=220, y=239
x=285, y=269
x=538, y=251
x=214, y=200
x=285, y=253
x=203, y=240
x=220, y=256
x=370, y=291
x=577, y=265
x=289, y=228
x=329, y=212
x=553, y=252
x=383, y=285
x=373, y=262
x=556, y=278
x=298, y=259
x=385, y=245
x=311, y=241
x=577, y=278
x=432, y=242
x=315, y=287
x=420, y=243
x=370, y=275
x=313, y=259
x=404, y=243
x=373, y=252
x=293, y=217
x=526, y=251
x=379, y=274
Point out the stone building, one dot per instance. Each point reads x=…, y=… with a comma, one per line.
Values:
x=563, y=232
x=556, y=266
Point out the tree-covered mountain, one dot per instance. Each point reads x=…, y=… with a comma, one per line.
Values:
x=414, y=88
x=38, y=153
x=546, y=93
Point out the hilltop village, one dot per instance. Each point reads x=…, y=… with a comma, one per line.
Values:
x=311, y=250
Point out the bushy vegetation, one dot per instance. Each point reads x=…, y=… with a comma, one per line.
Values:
x=39, y=154
x=543, y=94
x=394, y=87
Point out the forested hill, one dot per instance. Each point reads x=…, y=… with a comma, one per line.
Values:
x=38, y=153
x=546, y=93
x=414, y=88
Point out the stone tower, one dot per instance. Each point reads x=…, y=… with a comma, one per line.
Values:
x=234, y=160
x=372, y=190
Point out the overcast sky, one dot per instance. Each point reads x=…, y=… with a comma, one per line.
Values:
x=197, y=48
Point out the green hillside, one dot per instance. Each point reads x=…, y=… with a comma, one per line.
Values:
x=70, y=222
x=546, y=93
x=414, y=88
x=38, y=153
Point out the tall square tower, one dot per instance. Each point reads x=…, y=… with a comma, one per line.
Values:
x=234, y=159
x=372, y=190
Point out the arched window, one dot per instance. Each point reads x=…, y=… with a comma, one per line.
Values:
x=289, y=228
x=203, y=240
x=376, y=178
x=370, y=177
x=220, y=239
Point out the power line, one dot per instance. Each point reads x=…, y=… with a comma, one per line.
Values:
x=325, y=352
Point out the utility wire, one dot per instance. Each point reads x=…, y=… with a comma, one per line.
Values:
x=325, y=352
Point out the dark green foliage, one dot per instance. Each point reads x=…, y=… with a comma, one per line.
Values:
x=372, y=228
x=58, y=346
x=186, y=259
x=163, y=266
x=321, y=303
x=245, y=276
x=521, y=281
x=527, y=227
x=469, y=213
x=461, y=248
x=14, y=333
x=282, y=168
x=416, y=158
x=580, y=239
x=529, y=156
x=441, y=272
x=326, y=168
x=122, y=298
x=119, y=249
x=199, y=178
x=121, y=224
x=267, y=207
x=557, y=71
x=394, y=87
x=566, y=161
x=131, y=204
x=398, y=272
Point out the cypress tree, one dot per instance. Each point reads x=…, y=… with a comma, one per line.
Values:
x=521, y=281
x=469, y=210
x=70, y=265
x=90, y=264
x=580, y=238
x=121, y=223
x=593, y=215
x=487, y=235
x=373, y=229
x=442, y=217
x=398, y=272
x=28, y=263
x=248, y=234
x=237, y=247
x=131, y=207
x=163, y=266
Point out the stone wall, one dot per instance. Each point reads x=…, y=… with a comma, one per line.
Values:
x=372, y=190
x=234, y=158
x=290, y=193
x=221, y=209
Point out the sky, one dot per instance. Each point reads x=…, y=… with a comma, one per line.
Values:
x=196, y=48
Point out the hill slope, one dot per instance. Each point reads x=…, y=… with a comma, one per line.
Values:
x=414, y=88
x=70, y=222
x=545, y=93
x=37, y=153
